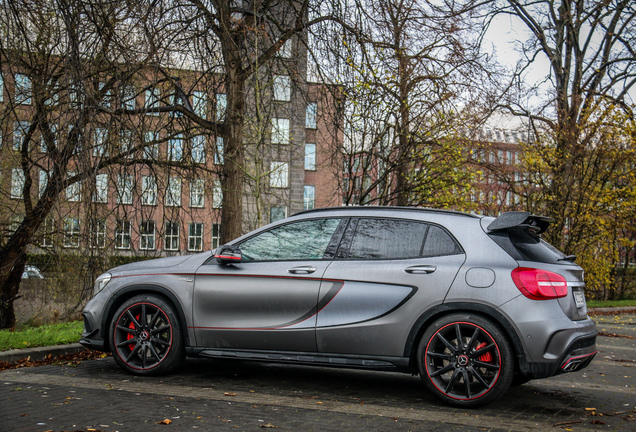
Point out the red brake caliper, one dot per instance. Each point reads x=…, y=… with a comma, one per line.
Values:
x=129, y=336
x=486, y=357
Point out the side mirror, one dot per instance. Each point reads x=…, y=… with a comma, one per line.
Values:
x=227, y=254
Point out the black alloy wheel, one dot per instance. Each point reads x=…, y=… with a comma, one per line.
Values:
x=465, y=360
x=146, y=336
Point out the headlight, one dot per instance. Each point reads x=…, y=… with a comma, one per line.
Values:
x=101, y=282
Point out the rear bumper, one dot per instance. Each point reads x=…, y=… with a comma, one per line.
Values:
x=576, y=356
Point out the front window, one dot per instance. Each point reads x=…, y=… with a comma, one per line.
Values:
x=304, y=240
x=147, y=235
x=195, y=237
x=122, y=234
x=172, y=236
x=173, y=192
x=280, y=131
x=71, y=233
x=148, y=190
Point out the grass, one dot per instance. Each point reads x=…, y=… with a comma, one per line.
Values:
x=611, y=303
x=46, y=335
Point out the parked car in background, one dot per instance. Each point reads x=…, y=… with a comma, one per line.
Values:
x=32, y=272
x=471, y=303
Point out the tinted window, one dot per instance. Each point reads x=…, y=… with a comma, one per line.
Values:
x=387, y=239
x=295, y=241
x=399, y=239
x=439, y=243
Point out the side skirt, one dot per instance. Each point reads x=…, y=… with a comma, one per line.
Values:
x=398, y=364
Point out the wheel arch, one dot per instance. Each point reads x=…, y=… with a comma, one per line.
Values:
x=131, y=291
x=488, y=312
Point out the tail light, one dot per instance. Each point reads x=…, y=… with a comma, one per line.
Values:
x=539, y=284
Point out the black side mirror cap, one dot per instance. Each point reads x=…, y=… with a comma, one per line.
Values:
x=227, y=254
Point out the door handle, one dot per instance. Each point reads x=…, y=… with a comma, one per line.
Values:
x=421, y=269
x=302, y=269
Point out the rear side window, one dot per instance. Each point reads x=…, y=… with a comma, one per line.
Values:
x=523, y=245
x=398, y=239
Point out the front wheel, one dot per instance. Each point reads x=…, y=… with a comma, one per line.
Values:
x=146, y=336
x=465, y=360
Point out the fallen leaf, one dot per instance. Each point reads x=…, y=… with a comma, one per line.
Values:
x=165, y=421
x=229, y=394
x=597, y=422
x=268, y=426
x=590, y=409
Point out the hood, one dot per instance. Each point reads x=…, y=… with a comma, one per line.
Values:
x=160, y=263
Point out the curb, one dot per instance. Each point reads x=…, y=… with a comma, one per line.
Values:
x=40, y=353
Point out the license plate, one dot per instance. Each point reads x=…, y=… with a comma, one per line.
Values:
x=579, y=298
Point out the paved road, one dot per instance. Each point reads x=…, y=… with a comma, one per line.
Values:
x=240, y=396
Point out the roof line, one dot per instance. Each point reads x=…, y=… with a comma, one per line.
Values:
x=414, y=209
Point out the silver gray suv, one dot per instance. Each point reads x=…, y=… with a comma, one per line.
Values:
x=473, y=304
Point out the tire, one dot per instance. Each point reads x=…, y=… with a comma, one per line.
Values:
x=146, y=337
x=465, y=360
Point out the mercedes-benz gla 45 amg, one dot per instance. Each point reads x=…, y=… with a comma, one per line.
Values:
x=471, y=303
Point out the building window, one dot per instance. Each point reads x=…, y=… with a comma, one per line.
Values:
x=277, y=213
x=71, y=233
x=197, y=194
x=282, y=88
x=221, y=107
x=48, y=232
x=200, y=104
x=126, y=143
x=217, y=195
x=278, y=177
x=17, y=183
x=195, y=237
x=310, y=157
x=147, y=235
x=23, y=89
x=101, y=136
x=175, y=148
x=216, y=236
x=106, y=95
x=98, y=234
x=153, y=95
x=44, y=181
x=73, y=191
x=198, y=149
x=148, y=190
x=101, y=188
x=311, y=115
x=173, y=192
x=172, y=236
x=219, y=151
x=122, y=234
x=285, y=51
x=124, y=189
x=20, y=130
x=280, y=131
x=309, y=200
x=128, y=98
x=151, y=148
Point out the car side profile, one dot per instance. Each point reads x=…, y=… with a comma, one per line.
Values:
x=472, y=304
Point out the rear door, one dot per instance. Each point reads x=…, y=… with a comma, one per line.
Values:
x=267, y=301
x=386, y=273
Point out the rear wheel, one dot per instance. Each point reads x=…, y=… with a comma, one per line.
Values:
x=465, y=360
x=146, y=336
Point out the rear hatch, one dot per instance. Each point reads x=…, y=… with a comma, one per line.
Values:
x=518, y=233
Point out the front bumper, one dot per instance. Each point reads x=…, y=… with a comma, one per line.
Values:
x=91, y=336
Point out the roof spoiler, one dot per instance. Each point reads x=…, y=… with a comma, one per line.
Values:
x=519, y=219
